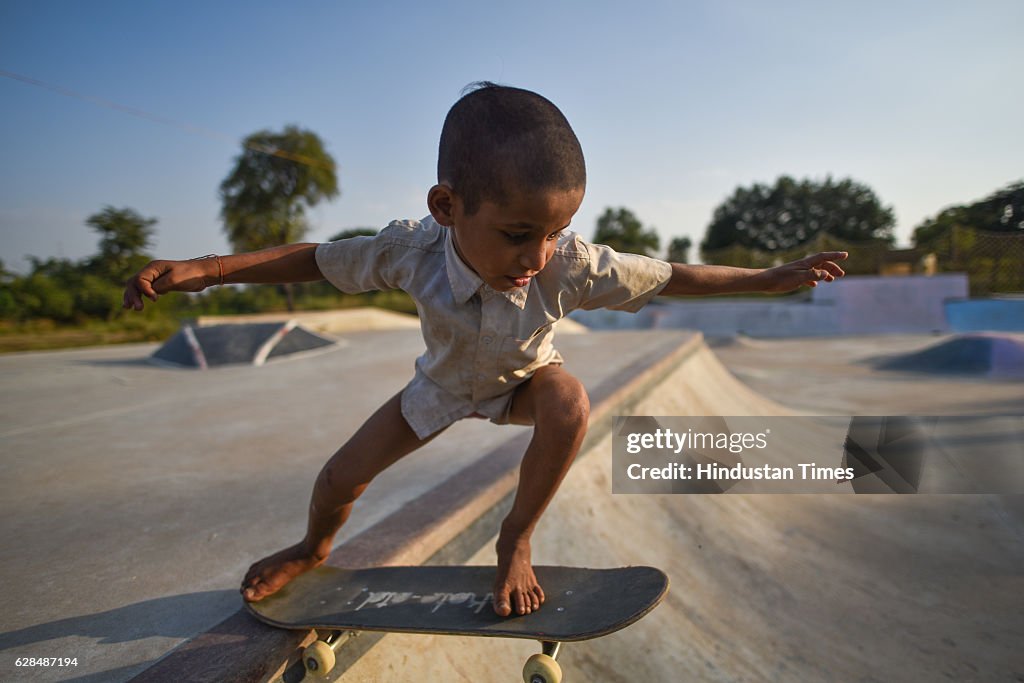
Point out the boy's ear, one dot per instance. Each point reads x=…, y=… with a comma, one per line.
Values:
x=441, y=202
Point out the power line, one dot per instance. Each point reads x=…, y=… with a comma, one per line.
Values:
x=187, y=127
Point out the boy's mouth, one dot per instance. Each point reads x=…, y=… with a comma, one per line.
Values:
x=519, y=281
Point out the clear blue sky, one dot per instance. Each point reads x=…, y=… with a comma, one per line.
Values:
x=675, y=103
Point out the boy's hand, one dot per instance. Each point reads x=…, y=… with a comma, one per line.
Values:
x=160, y=277
x=810, y=270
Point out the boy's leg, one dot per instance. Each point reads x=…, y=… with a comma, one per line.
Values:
x=383, y=439
x=556, y=404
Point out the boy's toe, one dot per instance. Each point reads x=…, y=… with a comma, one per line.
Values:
x=501, y=605
x=254, y=591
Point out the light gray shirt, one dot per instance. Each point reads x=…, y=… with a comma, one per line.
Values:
x=482, y=343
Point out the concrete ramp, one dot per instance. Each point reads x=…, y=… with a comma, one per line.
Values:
x=796, y=588
x=234, y=344
x=991, y=355
x=789, y=588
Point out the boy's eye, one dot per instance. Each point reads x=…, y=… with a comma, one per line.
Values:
x=520, y=237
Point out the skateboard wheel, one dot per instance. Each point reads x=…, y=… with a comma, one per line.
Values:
x=542, y=669
x=318, y=658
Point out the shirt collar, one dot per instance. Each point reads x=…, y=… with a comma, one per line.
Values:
x=465, y=283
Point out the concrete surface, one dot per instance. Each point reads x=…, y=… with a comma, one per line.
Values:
x=772, y=587
x=866, y=304
x=998, y=314
x=839, y=377
x=853, y=305
x=135, y=497
x=358, y=319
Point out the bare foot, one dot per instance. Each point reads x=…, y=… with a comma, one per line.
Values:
x=272, y=573
x=515, y=589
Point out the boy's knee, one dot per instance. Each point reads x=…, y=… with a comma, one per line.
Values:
x=563, y=402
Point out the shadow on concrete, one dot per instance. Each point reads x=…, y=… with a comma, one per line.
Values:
x=122, y=362
x=193, y=612
x=119, y=674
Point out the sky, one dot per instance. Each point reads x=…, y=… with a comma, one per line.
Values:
x=676, y=104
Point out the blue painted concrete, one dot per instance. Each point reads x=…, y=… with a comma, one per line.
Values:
x=986, y=315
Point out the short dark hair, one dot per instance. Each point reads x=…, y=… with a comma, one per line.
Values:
x=497, y=140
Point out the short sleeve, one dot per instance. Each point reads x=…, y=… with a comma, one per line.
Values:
x=356, y=264
x=622, y=282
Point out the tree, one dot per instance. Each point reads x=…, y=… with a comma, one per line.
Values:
x=275, y=179
x=984, y=239
x=679, y=250
x=8, y=304
x=791, y=213
x=124, y=236
x=1002, y=211
x=621, y=230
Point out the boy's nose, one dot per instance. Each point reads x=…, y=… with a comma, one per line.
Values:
x=533, y=258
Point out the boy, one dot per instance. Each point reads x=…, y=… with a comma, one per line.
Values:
x=491, y=269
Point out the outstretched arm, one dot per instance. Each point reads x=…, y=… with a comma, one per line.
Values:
x=277, y=265
x=703, y=280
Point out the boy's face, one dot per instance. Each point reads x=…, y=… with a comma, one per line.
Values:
x=506, y=244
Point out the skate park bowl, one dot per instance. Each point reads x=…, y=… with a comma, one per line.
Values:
x=234, y=344
x=764, y=587
x=997, y=356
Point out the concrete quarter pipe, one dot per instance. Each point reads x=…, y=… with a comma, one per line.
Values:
x=767, y=587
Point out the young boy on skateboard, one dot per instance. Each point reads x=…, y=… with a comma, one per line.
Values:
x=491, y=269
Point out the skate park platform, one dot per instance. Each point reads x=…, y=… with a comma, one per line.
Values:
x=132, y=516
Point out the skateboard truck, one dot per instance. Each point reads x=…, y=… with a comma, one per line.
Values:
x=320, y=656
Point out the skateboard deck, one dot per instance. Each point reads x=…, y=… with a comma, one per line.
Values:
x=456, y=600
x=579, y=604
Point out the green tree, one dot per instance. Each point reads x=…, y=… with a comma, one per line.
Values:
x=621, y=230
x=8, y=304
x=41, y=295
x=792, y=212
x=985, y=239
x=276, y=178
x=124, y=237
x=1002, y=211
x=679, y=250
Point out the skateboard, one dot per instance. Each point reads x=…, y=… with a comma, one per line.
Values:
x=579, y=604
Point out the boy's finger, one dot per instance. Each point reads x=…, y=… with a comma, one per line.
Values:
x=131, y=296
x=146, y=287
x=818, y=275
x=833, y=268
x=822, y=257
